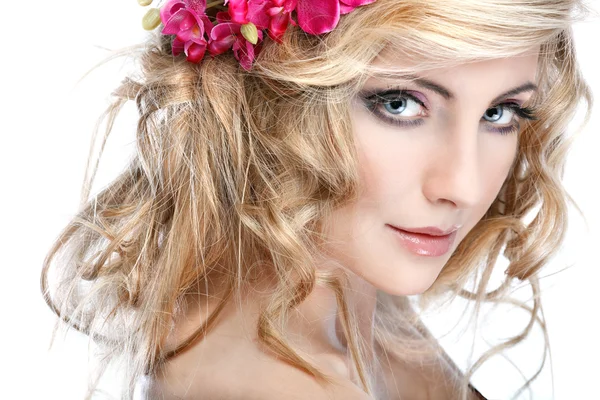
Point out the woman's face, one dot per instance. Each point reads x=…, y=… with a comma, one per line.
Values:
x=433, y=153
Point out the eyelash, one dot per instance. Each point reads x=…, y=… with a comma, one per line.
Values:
x=372, y=100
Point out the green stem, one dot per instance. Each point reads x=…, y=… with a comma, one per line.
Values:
x=214, y=3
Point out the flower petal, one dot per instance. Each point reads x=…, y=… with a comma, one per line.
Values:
x=238, y=10
x=258, y=13
x=181, y=20
x=318, y=17
x=290, y=5
x=244, y=53
x=222, y=37
x=177, y=47
x=220, y=31
x=223, y=17
x=278, y=26
x=208, y=25
x=197, y=6
x=196, y=33
x=357, y=3
x=167, y=10
x=349, y=5
x=273, y=11
x=195, y=51
x=344, y=9
x=219, y=47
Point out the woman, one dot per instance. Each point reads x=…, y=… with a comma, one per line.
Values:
x=303, y=167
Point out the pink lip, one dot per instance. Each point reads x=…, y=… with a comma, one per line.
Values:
x=429, y=241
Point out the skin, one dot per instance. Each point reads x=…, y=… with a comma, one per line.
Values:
x=446, y=171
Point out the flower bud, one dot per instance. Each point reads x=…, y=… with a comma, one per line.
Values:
x=250, y=32
x=152, y=19
x=144, y=3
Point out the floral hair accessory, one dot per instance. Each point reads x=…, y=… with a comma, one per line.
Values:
x=240, y=25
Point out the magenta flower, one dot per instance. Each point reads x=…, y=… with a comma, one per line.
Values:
x=349, y=5
x=227, y=35
x=241, y=27
x=238, y=10
x=186, y=19
x=279, y=12
x=317, y=17
x=274, y=15
x=244, y=11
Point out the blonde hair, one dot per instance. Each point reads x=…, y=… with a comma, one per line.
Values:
x=235, y=171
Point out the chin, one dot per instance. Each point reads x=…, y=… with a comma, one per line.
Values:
x=404, y=289
x=405, y=281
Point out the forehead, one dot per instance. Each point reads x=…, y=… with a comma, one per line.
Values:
x=487, y=75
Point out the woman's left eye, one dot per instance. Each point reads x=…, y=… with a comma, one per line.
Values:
x=500, y=115
x=506, y=117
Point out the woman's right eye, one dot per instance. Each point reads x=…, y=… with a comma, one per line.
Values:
x=397, y=107
x=405, y=106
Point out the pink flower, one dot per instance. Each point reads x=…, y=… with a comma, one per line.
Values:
x=227, y=35
x=349, y=5
x=279, y=12
x=187, y=20
x=317, y=17
x=240, y=28
x=244, y=11
x=274, y=15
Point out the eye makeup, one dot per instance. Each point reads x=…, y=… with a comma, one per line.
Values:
x=376, y=101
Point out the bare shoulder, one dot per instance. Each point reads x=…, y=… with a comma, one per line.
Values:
x=240, y=378
x=228, y=364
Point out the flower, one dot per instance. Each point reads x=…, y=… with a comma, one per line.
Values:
x=241, y=27
x=186, y=19
x=279, y=12
x=273, y=15
x=227, y=34
x=317, y=17
x=349, y=5
x=245, y=11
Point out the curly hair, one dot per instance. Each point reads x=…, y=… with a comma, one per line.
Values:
x=234, y=172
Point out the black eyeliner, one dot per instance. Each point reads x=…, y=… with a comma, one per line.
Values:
x=374, y=98
x=525, y=113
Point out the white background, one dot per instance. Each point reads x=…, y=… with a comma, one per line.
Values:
x=46, y=126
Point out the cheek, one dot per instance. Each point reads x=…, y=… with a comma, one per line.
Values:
x=389, y=161
x=497, y=163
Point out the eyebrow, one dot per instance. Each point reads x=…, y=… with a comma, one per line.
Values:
x=447, y=94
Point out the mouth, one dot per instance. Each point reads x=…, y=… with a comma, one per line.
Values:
x=430, y=241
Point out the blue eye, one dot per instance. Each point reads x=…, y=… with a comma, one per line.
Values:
x=509, y=115
x=406, y=105
x=391, y=104
x=499, y=115
x=396, y=106
x=399, y=107
x=493, y=114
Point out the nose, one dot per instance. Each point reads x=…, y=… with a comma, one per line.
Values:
x=453, y=175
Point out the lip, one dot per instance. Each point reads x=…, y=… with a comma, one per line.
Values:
x=429, y=230
x=428, y=241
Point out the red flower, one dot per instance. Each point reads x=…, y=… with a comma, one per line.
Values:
x=244, y=11
x=227, y=35
x=280, y=13
x=186, y=19
x=240, y=29
x=317, y=17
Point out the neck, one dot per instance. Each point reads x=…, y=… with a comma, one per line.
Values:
x=318, y=322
